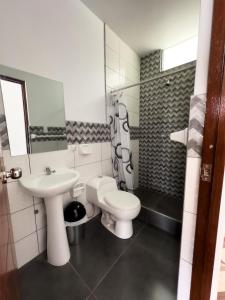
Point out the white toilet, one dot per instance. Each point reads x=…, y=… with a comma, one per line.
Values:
x=118, y=208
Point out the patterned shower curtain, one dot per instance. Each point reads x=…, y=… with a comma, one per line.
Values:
x=120, y=138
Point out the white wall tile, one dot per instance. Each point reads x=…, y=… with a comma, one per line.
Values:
x=134, y=92
x=55, y=159
x=135, y=159
x=136, y=175
x=128, y=71
x=125, y=81
x=89, y=171
x=106, y=150
x=20, y=161
x=133, y=119
x=112, y=60
x=41, y=218
x=95, y=155
x=134, y=144
x=42, y=239
x=112, y=40
x=188, y=235
x=107, y=168
x=23, y=223
x=133, y=104
x=67, y=198
x=26, y=249
x=129, y=55
x=184, y=281
x=18, y=197
x=112, y=78
x=192, y=184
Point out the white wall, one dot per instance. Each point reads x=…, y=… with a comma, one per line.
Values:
x=193, y=163
x=61, y=40
x=219, y=249
x=123, y=68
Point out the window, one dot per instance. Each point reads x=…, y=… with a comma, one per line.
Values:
x=180, y=54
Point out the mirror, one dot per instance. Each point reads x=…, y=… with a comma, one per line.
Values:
x=32, y=108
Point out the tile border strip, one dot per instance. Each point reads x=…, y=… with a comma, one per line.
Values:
x=196, y=125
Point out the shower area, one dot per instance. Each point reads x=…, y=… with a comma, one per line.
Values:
x=164, y=109
x=157, y=100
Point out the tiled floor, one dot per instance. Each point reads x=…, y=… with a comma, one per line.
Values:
x=104, y=267
x=161, y=202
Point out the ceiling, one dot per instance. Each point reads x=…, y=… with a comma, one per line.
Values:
x=146, y=25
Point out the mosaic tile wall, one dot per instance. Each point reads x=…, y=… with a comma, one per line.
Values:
x=163, y=109
x=196, y=125
x=83, y=132
x=4, y=132
x=74, y=132
x=38, y=134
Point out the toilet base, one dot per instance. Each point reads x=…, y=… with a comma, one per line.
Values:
x=123, y=229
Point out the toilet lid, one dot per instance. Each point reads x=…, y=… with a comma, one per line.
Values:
x=121, y=200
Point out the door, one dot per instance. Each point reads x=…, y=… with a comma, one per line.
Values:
x=213, y=159
x=9, y=282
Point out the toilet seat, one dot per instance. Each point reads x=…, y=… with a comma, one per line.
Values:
x=121, y=200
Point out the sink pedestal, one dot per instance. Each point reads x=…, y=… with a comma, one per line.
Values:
x=57, y=243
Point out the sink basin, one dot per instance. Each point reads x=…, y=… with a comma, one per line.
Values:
x=50, y=185
x=51, y=188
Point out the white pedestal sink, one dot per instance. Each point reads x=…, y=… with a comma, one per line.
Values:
x=51, y=188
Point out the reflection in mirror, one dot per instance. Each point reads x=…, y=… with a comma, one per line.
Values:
x=12, y=96
x=39, y=106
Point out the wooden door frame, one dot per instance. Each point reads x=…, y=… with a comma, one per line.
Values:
x=213, y=154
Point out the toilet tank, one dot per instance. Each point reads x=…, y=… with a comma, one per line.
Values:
x=98, y=186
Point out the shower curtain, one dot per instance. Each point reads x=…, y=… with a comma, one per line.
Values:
x=120, y=138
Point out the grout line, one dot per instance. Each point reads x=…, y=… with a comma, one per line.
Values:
x=35, y=220
x=92, y=296
x=34, y=232
x=190, y=212
x=117, y=259
x=15, y=212
x=188, y=262
x=92, y=163
x=107, y=159
x=82, y=279
x=87, y=164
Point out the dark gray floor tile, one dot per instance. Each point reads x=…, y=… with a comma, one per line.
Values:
x=160, y=243
x=148, y=270
x=171, y=206
x=98, y=251
x=91, y=297
x=148, y=198
x=39, y=280
x=161, y=202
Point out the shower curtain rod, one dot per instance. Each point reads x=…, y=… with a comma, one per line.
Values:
x=151, y=79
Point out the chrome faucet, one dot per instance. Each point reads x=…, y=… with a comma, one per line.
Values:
x=49, y=171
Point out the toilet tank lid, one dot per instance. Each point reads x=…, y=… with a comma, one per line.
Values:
x=122, y=200
x=98, y=181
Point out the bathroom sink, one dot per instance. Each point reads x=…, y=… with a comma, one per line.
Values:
x=52, y=188
x=43, y=186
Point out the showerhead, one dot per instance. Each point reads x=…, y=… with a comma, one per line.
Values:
x=168, y=82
